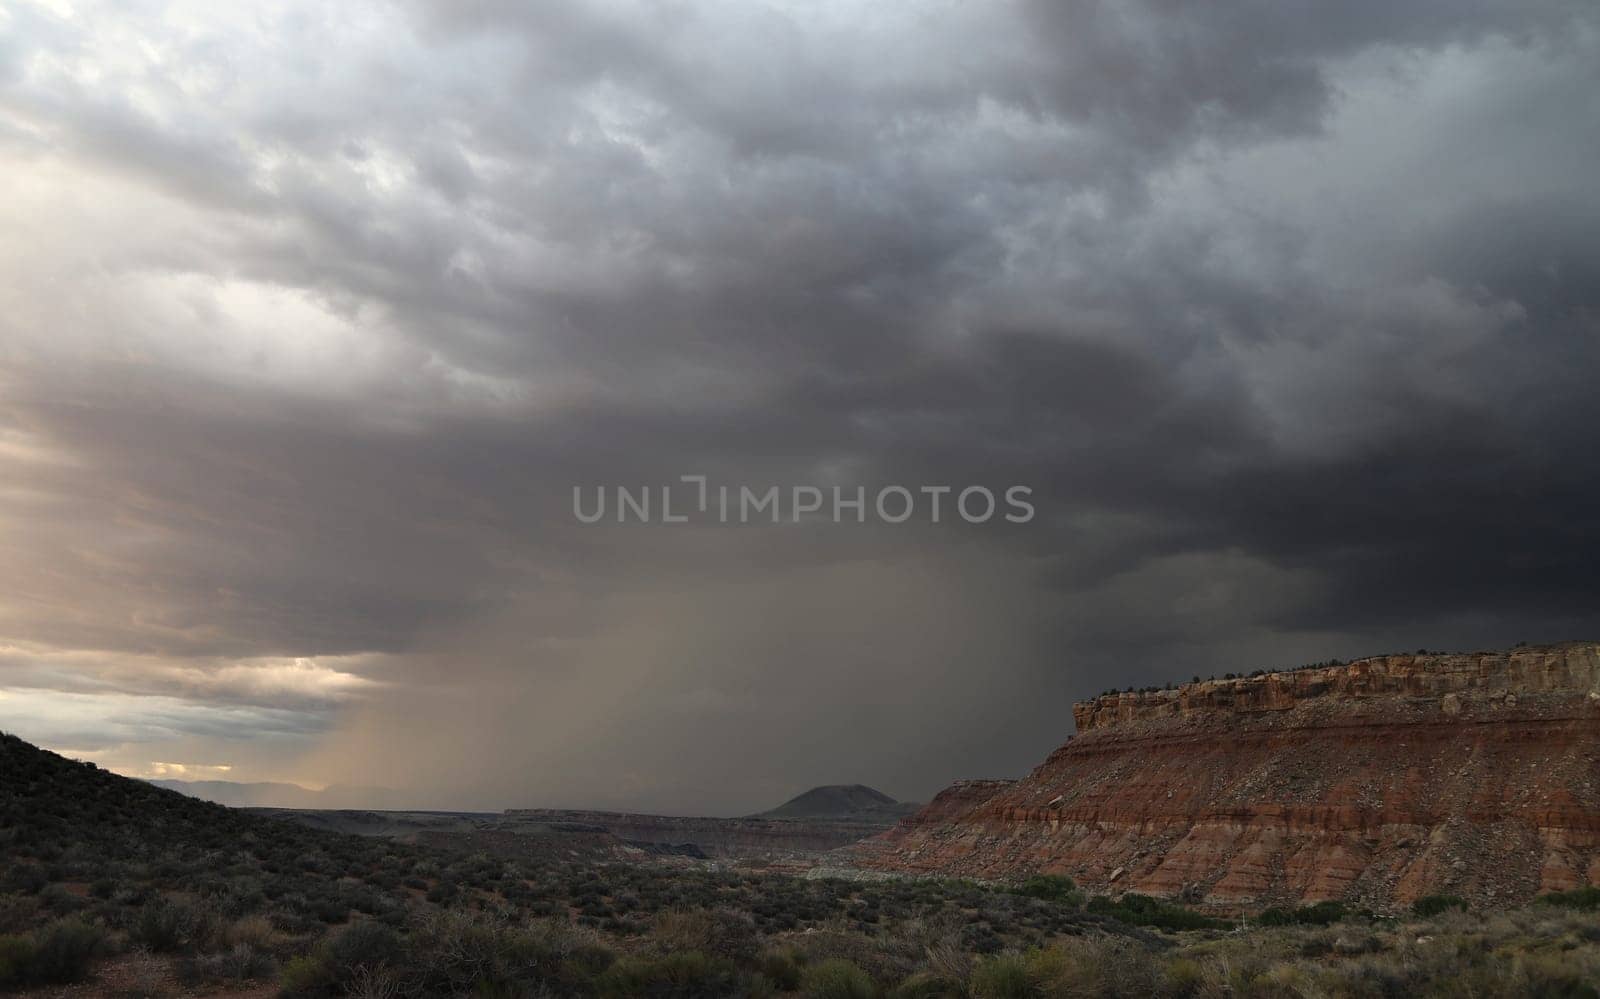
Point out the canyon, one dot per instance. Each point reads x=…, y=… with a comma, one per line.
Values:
x=751, y=837
x=1374, y=782
x=790, y=836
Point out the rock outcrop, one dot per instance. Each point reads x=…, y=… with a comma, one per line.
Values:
x=1374, y=782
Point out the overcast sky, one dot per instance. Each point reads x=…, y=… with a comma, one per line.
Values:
x=312, y=316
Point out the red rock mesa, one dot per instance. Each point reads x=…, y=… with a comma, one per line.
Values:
x=1374, y=782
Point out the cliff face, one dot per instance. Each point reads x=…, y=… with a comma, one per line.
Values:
x=1547, y=670
x=1375, y=782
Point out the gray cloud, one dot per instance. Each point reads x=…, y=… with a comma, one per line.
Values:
x=312, y=318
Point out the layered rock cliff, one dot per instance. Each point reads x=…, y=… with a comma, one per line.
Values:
x=1374, y=782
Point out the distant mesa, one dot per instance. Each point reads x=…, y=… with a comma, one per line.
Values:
x=840, y=801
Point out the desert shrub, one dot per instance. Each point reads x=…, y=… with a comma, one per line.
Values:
x=929, y=985
x=356, y=953
x=240, y=963
x=1002, y=976
x=254, y=931
x=1429, y=906
x=679, y=975
x=780, y=968
x=18, y=914
x=364, y=945
x=1182, y=977
x=16, y=957
x=1551, y=976
x=881, y=958
x=25, y=877
x=59, y=901
x=306, y=976
x=63, y=952
x=293, y=921
x=167, y=925
x=718, y=932
x=459, y=952
x=836, y=978
x=1108, y=967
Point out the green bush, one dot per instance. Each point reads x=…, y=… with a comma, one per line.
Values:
x=306, y=976
x=1318, y=914
x=1274, y=916
x=836, y=978
x=1583, y=899
x=1050, y=887
x=1432, y=905
x=1142, y=910
x=63, y=952
x=1322, y=913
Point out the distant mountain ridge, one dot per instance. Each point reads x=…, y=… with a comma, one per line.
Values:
x=274, y=794
x=841, y=801
x=829, y=802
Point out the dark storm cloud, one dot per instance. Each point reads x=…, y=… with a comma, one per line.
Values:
x=313, y=318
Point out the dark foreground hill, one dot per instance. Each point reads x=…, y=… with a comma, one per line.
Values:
x=60, y=815
x=137, y=890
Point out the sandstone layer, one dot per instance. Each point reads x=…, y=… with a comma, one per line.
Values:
x=1374, y=782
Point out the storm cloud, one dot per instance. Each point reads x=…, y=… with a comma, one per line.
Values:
x=312, y=317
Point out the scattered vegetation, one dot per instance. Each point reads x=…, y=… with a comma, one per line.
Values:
x=97, y=867
x=1142, y=910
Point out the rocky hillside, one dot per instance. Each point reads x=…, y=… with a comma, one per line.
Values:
x=1374, y=782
